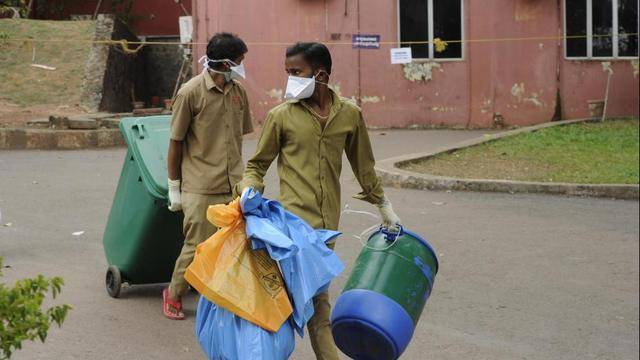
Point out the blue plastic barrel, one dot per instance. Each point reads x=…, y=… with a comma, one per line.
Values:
x=376, y=314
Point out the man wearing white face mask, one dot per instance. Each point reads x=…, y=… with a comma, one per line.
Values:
x=308, y=134
x=210, y=115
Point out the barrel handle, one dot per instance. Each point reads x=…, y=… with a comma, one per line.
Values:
x=389, y=236
x=139, y=127
x=366, y=234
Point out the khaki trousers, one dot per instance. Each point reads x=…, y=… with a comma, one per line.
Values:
x=196, y=229
x=319, y=327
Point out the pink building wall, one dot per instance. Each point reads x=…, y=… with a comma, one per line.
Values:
x=586, y=80
x=150, y=17
x=519, y=80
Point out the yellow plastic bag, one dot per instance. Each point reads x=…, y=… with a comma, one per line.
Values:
x=230, y=274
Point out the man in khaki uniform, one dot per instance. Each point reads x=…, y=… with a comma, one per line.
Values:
x=308, y=134
x=210, y=115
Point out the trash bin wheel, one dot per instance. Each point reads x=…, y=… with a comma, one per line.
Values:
x=113, y=281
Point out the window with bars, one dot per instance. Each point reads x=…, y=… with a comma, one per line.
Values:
x=601, y=28
x=421, y=21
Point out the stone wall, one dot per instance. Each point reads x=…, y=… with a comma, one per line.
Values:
x=97, y=63
x=162, y=67
x=113, y=76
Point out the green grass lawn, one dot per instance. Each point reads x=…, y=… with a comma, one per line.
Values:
x=25, y=85
x=594, y=153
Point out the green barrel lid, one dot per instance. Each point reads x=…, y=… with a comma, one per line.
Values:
x=148, y=140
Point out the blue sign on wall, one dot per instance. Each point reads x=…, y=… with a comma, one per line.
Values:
x=365, y=41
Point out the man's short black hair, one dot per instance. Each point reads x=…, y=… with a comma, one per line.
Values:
x=316, y=54
x=225, y=46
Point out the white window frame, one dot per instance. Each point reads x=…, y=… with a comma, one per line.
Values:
x=615, y=35
x=431, y=57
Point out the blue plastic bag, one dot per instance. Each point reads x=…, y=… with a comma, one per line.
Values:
x=307, y=264
x=225, y=336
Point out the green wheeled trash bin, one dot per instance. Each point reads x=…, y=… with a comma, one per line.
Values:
x=376, y=314
x=142, y=238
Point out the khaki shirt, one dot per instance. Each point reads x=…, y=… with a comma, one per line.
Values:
x=211, y=122
x=310, y=159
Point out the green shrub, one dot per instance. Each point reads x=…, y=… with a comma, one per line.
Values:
x=21, y=314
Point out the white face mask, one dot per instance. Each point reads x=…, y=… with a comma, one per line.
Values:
x=299, y=88
x=237, y=71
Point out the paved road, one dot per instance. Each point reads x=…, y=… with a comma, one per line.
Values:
x=522, y=276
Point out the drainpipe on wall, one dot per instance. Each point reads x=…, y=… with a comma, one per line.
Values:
x=359, y=98
x=557, y=114
x=467, y=49
x=95, y=13
x=606, y=93
x=184, y=9
x=194, y=35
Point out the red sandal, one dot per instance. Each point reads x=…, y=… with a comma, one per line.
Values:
x=167, y=304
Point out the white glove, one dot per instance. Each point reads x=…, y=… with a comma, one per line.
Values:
x=175, y=203
x=244, y=191
x=389, y=217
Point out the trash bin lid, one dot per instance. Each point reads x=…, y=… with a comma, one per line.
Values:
x=148, y=140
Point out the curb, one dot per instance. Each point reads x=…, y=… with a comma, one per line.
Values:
x=46, y=139
x=392, y=175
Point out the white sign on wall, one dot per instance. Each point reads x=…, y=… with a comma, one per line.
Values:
x=401, y=55
x=186, y=28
